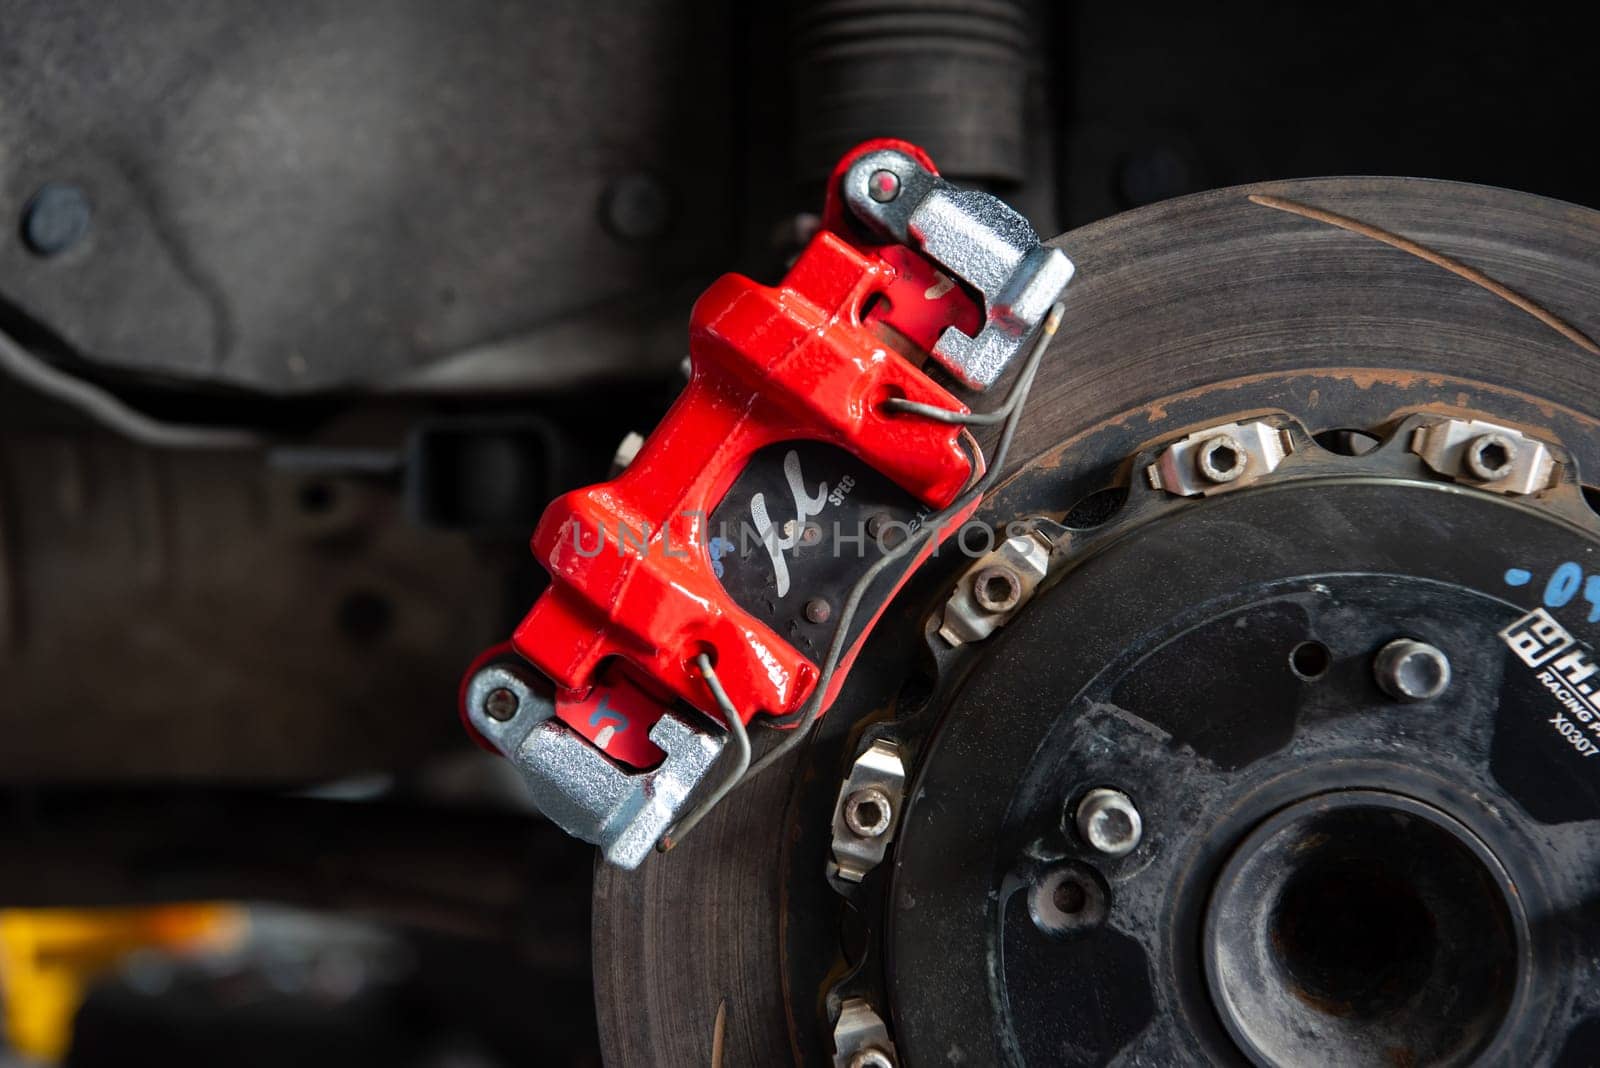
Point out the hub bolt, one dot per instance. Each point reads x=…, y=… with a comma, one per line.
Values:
x=868, y=812
x=1491, y=457
x=996, y=589
x=1409, y=670
x=1221, y=458
x=501, y=704
x=1109, y=822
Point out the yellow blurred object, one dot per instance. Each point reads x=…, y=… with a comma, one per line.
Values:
x=48, y=958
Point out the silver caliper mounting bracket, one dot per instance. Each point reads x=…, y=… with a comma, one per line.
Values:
x=575, y=785
x=978, y=240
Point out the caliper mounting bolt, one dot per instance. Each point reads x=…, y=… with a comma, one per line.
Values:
x=883, y=186
x=1409, y=670
x=1109, y=822
x=501, y=704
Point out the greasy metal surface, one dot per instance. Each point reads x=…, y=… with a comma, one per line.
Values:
x=1207, y=307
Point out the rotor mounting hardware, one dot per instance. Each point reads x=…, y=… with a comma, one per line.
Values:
x=867, y=810
x=995, y=588
x=1220, y=458
x=1486, y=455
x=860, y=1037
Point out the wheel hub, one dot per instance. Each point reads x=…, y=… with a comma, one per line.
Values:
x=1364, y=927
x=1327, y=870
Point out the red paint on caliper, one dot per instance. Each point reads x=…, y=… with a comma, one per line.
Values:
x=633, y=597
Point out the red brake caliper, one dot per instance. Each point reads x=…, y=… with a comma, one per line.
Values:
x=745, y=521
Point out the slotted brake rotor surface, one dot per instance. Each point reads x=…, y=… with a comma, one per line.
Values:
x=1393, y=880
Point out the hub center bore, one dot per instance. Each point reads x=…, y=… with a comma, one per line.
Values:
x=1362, y=927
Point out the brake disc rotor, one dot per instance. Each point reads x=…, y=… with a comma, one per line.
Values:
x=1320, y=860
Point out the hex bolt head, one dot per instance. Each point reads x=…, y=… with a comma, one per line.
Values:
x=1409, y=670
x=55, y=218
x=818, y=610
x=1221, y=458
x=871, y=1057
x=501, y=705
x=883, y=186
x=996, y=589
x=868, y=812
x=1491, y=457
x=1108, y=821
